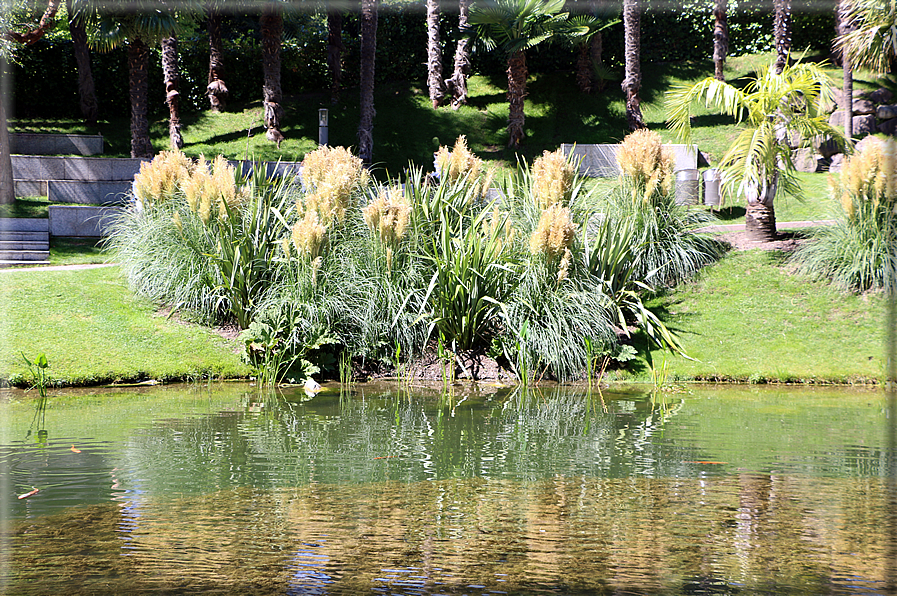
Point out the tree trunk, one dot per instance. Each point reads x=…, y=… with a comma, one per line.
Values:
x=216, y=89
x=457, y=85
x=760, y=214
x=435, y=84
x=7, y=184
x=782, y=33
x=517, y=74
x=596, y=49
x=272, y=29
x=335, y=50
x=584, y=68
x=847, y=72
x=138, y=83
x=633, y=77
x=86, y=90
x=720, y=39
x=46, y=23
x=369, y=10
x=172, y=76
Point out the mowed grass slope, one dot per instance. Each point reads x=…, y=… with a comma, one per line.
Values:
x=750, y=319
x=94, y=331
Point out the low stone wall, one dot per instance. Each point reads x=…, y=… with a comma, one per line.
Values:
x=80, y=220
x=55, y=144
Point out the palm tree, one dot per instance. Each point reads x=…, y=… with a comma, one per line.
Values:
x=456, y=86
x=435, y=84
x=782, y=32
x=515, y=26
x=720, y=39
x=110, y=24
x=86, y=89
x=632, y=80
x=589, y=47
x=770, y=107
x=872, y=42
x=172, y=75
x=272, y=29
x=216, y=88
x=369, y=10
x=7, y=184
x=844, y=27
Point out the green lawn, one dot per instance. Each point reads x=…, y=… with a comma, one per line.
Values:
x=749, y=319
x=94, y=331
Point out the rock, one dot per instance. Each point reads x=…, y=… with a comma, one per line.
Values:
x=836, y=163
x=888, y=127
x=825, y=146
x=837, y=119
x=881, y=95
x=864, y=125
x=886, y=112
x=805, y=160
x=862, y=107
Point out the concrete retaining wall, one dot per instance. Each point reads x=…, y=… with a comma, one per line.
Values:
x=55, y=144
x=80, y=220
x=600, y=161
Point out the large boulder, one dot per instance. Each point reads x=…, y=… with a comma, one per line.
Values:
x=886, y=112
x=881, y=95
x=836, y=163
x=888, y=127
x=863, y=107
x=864, y=125
x=805, y=160
x=826, y=146
x=837, y=119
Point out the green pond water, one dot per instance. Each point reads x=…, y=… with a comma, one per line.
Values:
x=223, y=490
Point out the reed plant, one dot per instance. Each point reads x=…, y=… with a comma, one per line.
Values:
x=859, y=252
x=666, y=240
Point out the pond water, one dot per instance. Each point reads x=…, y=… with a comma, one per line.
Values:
x=222, y=490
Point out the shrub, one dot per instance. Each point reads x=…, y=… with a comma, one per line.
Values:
x=859, y=252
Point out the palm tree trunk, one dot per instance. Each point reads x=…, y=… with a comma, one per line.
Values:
x=633, y=77
x=782, y=33
x=435, y=84
x=7, y=184
x=216, y=89
x=584, y=68
x=847, y=71
x=335, y=49
x=457, y=85
x=760, y=214
x=172, y=76
x=272, y=29
x=596, y=50
x=517, y=74
x=368, y=54
x=138, y=84
x=86, y=89
x=720, y=39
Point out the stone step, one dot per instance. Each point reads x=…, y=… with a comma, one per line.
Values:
x=15, y=245
x=24, y=224
x=24, y=255
x=7, y=236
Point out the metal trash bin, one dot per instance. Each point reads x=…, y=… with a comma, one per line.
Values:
x=688, y=187
x=712, y=180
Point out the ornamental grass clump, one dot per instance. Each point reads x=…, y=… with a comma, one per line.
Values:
x=859, y=252
x=333, y=179
x=646, y=165
x=553, y=177
x=160, y=179
x=667, y=245
x=458, y=162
